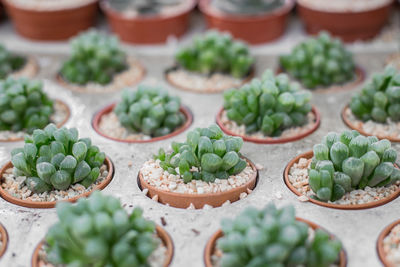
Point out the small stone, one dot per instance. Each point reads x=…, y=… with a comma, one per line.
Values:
x=145, y=191
x=259, y=166
x=155, y=198
x=278, y=195
x=303, y=198
x=191, y=207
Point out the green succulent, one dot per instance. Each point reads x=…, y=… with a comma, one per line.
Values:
x=143, y=7
x=23, y=105
x=9, y=62
x=320, y=61
x=97, y=231
x=56, y=158
x=380, y=98
x=273, y=237
x=149, y=110
x=209, y=150
x=269, y=105
x=216, y=52
x=249, y=7
x=347, y=161
x=95, y=57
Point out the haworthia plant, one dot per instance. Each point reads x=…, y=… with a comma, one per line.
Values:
x=320, y=61
x=23, y=105
x=273, y=237
x=143, y=7
x=216, y=52
x=95, y=57
x=269, y=105
x=347, y=161
x=56, y=158
x=98, y=232
x=9, y=62
x=379, y=99
x=206, y=155
x=249, y=7
x=149, y=110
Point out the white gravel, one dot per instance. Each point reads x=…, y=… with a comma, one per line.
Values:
x=344, y=5
x=391, y=246
x=49, y=4
x=29, y=70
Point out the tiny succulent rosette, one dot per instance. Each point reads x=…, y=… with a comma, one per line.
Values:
x=269, y=105
x=95, y=58
x=97, y=231
x=348, y=161
x=9, y=62
x=273, y=237
x=143, y=8
x=55, y=158
x=216, y=52
x=254, y=7
x=24, y=106
x=150, y=110
x=320, y=62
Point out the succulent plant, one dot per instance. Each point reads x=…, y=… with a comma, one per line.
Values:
x=380, y=98
x=97, y=231
x=249, y=7
x=56, y=158
x=320, y=61
x=23, y=105
x=143, y=7
x=95, y=57
x=347, y=161
x=206, y=155
x=9, y=62
x=269, y=105
x=216, y=52
x=273, y=237
x=149, y=110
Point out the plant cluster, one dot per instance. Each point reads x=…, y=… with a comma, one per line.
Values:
x=97, y=231
x=143, y=7
x=250, y=7
x=95, y=57
x=149, y=110
x=56, y=158
x=9, y=62
x=380, y=98
x=320, y=61
x=273, y=237
x=206, y=155
x=347, y=161
x=216, y=52
x=23, y=105
x=269, y=105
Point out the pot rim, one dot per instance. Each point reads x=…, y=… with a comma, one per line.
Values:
x=4, y=240
x=379, y=242
x=51, y=204
x=8, y=3
x=344, y=12
x=29, y=59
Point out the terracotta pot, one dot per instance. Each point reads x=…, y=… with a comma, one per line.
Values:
x=379, y=243
x=254, y=29
x=309, y=155
x=51, y=204
x=212, y=242
x=108, y=109
x=52, y=25
x=349, y=26
x=58, y=124
x=179, y=200
x=271, y=140
x=148, y=29
x=4, y=240
x=29, y=70
x=162, y=234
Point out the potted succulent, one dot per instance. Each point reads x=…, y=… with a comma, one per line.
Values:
x=269, y=110
x=146, y=115
x=97, y=64
x=206, y=169
x=3, y=240
x=16, y=65
x=213, y=63
x=272, y=237
x=350, y=20
x=97, y=231
x=376, y=109
x=24, y=107
x=322, y=62
x=342, y=163
x=54, y=164
x=388, y=245
x=51, y=20
x=255, y=21
x=148, y=21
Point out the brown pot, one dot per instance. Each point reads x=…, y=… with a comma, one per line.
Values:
x=379, y=243
x=148, y=29
x=52, y=25
x=309, y=155
x=254, y=29
x=272, y=140
x=183, y=201
x=4, y=240
x=108, y=109
x=349, y=26
x=212, y=242
x=51, y=204
x=162, y=234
